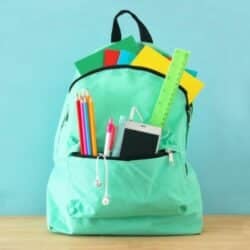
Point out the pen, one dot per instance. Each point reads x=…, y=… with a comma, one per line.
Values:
x=113, y=134
x=108, y=138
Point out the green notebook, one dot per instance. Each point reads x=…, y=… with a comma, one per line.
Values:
x=95, y=60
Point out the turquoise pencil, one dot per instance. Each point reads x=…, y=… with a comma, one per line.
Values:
x=87, y=128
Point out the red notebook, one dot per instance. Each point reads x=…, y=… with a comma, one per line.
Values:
x=111, y=57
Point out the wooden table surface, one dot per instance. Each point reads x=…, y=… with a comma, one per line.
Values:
x=220, y=232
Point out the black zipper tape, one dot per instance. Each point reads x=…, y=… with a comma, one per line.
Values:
x=161, y=153
x=186, y=169
x=189, y=111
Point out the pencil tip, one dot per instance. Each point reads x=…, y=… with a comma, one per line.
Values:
x=86, y=92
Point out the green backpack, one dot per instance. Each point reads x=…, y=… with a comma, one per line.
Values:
x=154, y=196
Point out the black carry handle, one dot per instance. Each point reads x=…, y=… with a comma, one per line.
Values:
x=116, y=31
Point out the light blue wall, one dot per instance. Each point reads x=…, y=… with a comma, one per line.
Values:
x=40, y=40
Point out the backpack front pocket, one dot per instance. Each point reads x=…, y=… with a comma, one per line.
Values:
x=148, y=187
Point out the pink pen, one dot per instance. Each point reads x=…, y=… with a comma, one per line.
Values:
x=113, y=131
x=108, y=138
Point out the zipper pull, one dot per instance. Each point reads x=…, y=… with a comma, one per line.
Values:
x=170, y=156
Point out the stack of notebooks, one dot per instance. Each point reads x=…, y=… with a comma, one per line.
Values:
x=129, y=52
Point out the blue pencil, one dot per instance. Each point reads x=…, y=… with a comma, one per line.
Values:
x=87, y=128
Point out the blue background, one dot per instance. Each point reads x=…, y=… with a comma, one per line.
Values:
x=40, y=40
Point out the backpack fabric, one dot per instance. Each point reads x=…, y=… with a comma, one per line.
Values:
x=153, y=196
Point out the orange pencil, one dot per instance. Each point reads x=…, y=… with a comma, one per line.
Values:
x=92, y=123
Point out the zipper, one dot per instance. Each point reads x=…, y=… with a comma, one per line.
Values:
x=122, y=67
x=189, y=112
x=65, y=119
x=189, y=107
x=186, y=169
x=170, y=156
x=111, y=68
x=161, y=153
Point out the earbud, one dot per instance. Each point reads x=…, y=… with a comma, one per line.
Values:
x=105, y=201
x=98, y=183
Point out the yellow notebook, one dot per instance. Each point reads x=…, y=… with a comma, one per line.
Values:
x=152, y=59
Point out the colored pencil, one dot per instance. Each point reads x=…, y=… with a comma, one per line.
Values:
x=80, y=126
x=92, y=124
x=86, y=124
